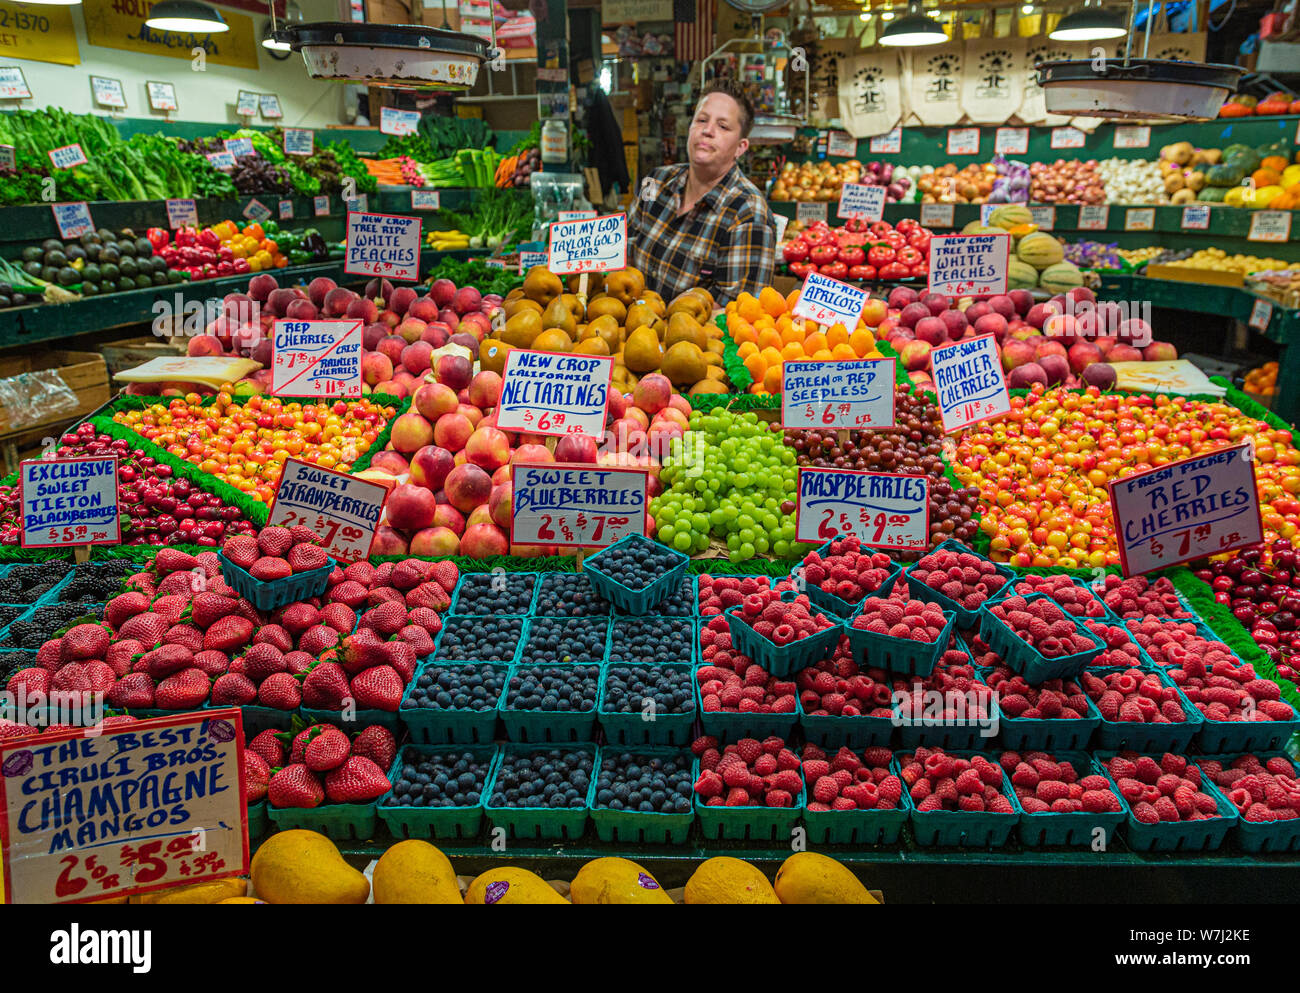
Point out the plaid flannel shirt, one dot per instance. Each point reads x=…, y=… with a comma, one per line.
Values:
x=726, y=243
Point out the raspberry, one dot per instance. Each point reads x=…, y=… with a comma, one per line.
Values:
x=816, y=769
x=1166, y=810
x=738, y=797
x=1049, y=790
x=779, y=798
x=786, y=760
x=825, y=789
x=969, y=782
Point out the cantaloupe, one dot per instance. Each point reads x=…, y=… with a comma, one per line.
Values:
x=1040, y=250
x=1021, y=275
x=1008, y=215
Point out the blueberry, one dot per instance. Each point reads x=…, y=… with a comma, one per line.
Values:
x=628, y=688
x=636, y=563
x=554, y=640
x=494, y=594
x=518, y=782
x=457, y=687
x=648, y=640
x=568, y=595
x=474, y=639
x=648, y=784
x=554, y=688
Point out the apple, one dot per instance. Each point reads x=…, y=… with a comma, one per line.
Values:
x=1083, y=354
x=317, y=290
x=488, y=449
x=1017, y=353
x=389, y=541
x=532, y=455
x=499, y=505
x=390, y=461
x=415, y=357
x=362, y=309
x=469, y=412
x=483, y=540
x=651, y=394
x=454, y=371
x=1159, y=351
x=423, y=309
x=485, y=390
x=874, y=311
x=392, y=345
x=204, y=344
x=261, y=286
x=400, y=300
x=411, y=329
x=376, y=368
x=466, y=299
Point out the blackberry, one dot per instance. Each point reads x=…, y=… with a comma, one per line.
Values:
x=652, y=639
x=44, y=622
x=28, y=583
x=637, y=563
x=97, y=582
x=494, y=594
x=561, y=689
x=467, y=687
x=627, y=688
x=647, y=784
x=9, y=611
x=479, y=639
x=679, y=603
x=579, y=640
x=11, y=662
x=564, y=594
x=442, y=779
x=554, y=777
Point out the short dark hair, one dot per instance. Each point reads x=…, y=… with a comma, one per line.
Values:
x=731, y=88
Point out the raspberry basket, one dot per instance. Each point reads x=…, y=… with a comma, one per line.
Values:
x=338, y=821
x=633, y=730
x=1145, y=737
x=276, y=592
x=537, y=727
x=782, y=660
x=635, y=601
x=1025, y=658
x=961, y=828
x=857, y=732
x=641, y=827
x=448, y=727
x=728, y=725
x=1076, y=830
x=723, y=823
x=1244, y=736
x=1176, y=836
x=833, y=603
x=965, y=618
x=856, y=827
x=437, y=822
x=903, y=655
x=1261, y=836
x=1044, y=734
x=949, y=736
x=539, y=823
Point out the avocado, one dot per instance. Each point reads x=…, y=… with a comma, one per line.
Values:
x=127, y=248
x=50, y=274
x=93, y=250
x=175, y=276
x=32, y=253
x=105, y=235
x=127, y=233
x=56, y=258
x=5, y=301
x=125, y=284
x=69, y=276
x=51, y=245
x=143, y=282
x=90, y=272
x=19, y=299
x=109, y=253
x=32, y=268
x=110, y=272
x=159, y=279
x=90, y=238
x=75, y=252
x=129, y=268
x=143, y=249
x=89, y=289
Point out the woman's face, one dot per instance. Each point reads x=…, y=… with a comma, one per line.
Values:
x=715, y=140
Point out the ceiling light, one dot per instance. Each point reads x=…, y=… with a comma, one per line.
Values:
x=1089, y=24
x=192, y=16
x=51, y=3
x=1027, y=9
x=913, y=29
x=887, y=15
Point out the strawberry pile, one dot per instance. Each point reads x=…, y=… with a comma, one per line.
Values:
x=1077, y=600
x=965, y=698
x=1053, y=700
x=1137, y=596
x=781, y=621
x=939, y=781
x=732, y=682
x=962, y=577
x=1226, y=692
x=1165, y=790
x=1134, y=696
x=276, y=552
x=1043, y=624
x=748, y=773
x=717, y=593
x=1171, y=644
x=847, y=570
x=1260, y=790
x=322, y=764
x=899, y=616
x=13, y=729
x=1046, y=785
x=850, y=782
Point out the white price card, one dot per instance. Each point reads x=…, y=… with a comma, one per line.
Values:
x=181, y=213
x=73, y=219
x=286, y=210
x=1196, y=217
x=8, y=157
x=1094, y=217
x=963, y=141
x=861, y=201
x=221, y=160
x=986, y=211
x=320, y=206
x=1202, y=506
x=1011, y=141
x=268, y=105
x=426, y=200
x=317, y=359
x=527, y=260
x=781, y=222
x=97, y=812
x=108, y=92
x=880, y=510
x=1133, y=136
x=828, y=301
x=257, y=211
x=383, y=245
x=1261, y=312
x=937, y=215
x=1044, y=217
x=1139, y=219
x=969, y=264
x=361, y=202
x=239, y=147
x=13, y=85
x=810, y=211
x=842, y=145
x=1067, y=138
x=68, y=156
x=586, y=506
x=68, y=502
x=889, y=143
x=968, y=381
x=576, y=215
x=299, y=141
x=343, y=509
x=596, y=244
x=1270, y=225
x=398, y=122
x=555, y=393
x=162, y=96
x=246, y=105
x=843, y=394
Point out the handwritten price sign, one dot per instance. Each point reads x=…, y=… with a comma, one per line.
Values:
x=69, y=502
x=382, y=245
x=969, y=264
x=317, y=359
x=73, y=219
x=342, y=509
x=969, y=382
x=596, y=244
x=581, y=505
x=880, y=510
x=828, y=301
x=555, y=393
x=855, y=393
x=860, y=200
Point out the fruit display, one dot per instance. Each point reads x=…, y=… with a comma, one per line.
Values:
x=1067, y=181
x=971, y=183
x=814, y=181
x=1262, y=380
x=1220, y=261
x=1245, y=105
x=860, y=250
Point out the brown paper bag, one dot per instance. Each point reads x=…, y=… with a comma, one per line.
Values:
x=993, y=77
x=1033, y=109
x=870, y=98
x=934, y=90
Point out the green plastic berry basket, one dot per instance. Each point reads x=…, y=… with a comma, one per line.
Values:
x=436, y=822
x=1243, y=736
x=641, y=827
x=431, y=726
x=1141, y=736
x=539, y=823
x=837, y=605
x=962, y=828
x=435, y=657
x=258, y=822
x=640, y=601
x=1023, y=657
x=729, y=725
x=687, y=590
x=722, y=823
x=1041, y=733
x=765, y=583
x=593, y=622
x=257, y=719
x=965, y=618
x=691, y=656
x=1176, y=836
x=1259, y=836
x=783, y=660
x=856, y=827
x=956, y=735
x=339, y=821
x=1077, y=830
x=636, y=729
x=872, y=649
x=277, y=592
x=539, y=727
x=459, y=592
x=363, y=717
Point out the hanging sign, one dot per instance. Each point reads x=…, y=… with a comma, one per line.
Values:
x=383, y=245
x=555, y=393
x=343, y=509
x=845, y=394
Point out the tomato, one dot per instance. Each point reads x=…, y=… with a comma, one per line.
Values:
x=908, y=255
x=836, y=270
x=894, y=238
x=821, y=254
x=852, y=255
x=894, y=270
x=879, y=255
x=801, y=269
x=881, y=228
x=862, y=272
x=795, y=251
x=907, y=225
x=919, y=238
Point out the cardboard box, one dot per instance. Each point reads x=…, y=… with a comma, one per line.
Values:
x=85, y=373
x=1186, y=274
x=131, y=352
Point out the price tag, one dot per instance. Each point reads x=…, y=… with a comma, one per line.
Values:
x=936, y=215
x=361, y=203
x=383, y=245
x=1261, y=312
x=181, y=213
x=810, y=211
x=257, y=211
x=495, y=263
x=889, y=143
x=1196, y=217
x=221, y=160
x=1044, y=217
x=246, y=106
x=73, y=219
x=68, y=156
x=162, y=96
x=69, y=502
x=1139, y=218
x=880, y=510
x=398, y=122
x=8, y=159
x=842, y=144
x=154, y=828
x=1067, y=138
x=859, y=200
x=13, y=85
x=584, y=505
x=1202, y=506
x=1011, y=141
x=1133, y=136
x=319, y=359
x=426, y=200
x=343, y=509
x=597, y=244
x=969, y=383
x=268, y=104
x=555, y=393
x=854, y=393
x=239, y=147
x=828, y=301
x=969, y=264
x=108, y=92
x=528, y=260
x=320, y=206
x=1094, y=217
x=781, y=222
x=1270, y=225
x=286, y=210
x=299, y=141
x=576, y=215
x=963, y=141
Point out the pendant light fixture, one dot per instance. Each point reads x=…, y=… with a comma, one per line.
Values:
x=192, y=16
x=1089, y=23
x=913, y=29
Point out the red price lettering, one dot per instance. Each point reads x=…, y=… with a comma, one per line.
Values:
x=881, y=521
x=151, y=867
x=544, y=531
x=543, y=422
x=824, y=529
x=600, y=528
x=67, y=884
x=828, y=416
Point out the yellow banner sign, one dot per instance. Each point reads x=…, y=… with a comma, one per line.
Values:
x=120, y=24
x=42, y=34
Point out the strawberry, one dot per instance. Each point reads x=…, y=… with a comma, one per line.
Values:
x=418, y=638
x=348, y=592
x=361, y=572
x=273, y=541
x=179, y=584
x=401, y=656
x=268, y=745
x=132, y=690
x=297, y=617
x=376, y=743
x=261, y=661
x=245, y=609
x=147, y=629
x=383, y=574
x=257, y=774
x=10, y=730
x=167, y=659
x=234, y=689
x=269, y=568
x=169, y=560
x=116, y=720
x=142, y=582
x=123, y=606
x=446, y=575
x=228, y=633
x=325, y=687
x=208, y=607
x=185, y=689
x=409, y=574
x=294, y=786
x=316, y=640
x=210, y=564
x=30, y=681
x=241, y=550
x=120, y=655
x=306, y=558
x=212, y=662
x=87, y=641
x=281, y=691
x=327, y=750
x=339, y=616
x=171, y=607
x=367, y=636
x=72, y=678
x=388, y=618
x=379, y=687
x=100, y=675
x=429, y=595
x=274, y=634
x=358, y=780
x=299, y=662
x=301, y=534
x=361, y=654
x=184, y=634
x=426, y=618
x=50, y=654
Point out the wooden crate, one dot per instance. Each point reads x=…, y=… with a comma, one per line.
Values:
x=85, y=373
x=131, y=352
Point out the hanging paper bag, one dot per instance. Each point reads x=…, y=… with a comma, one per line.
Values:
x=1033, y=108
x=870, y=99
x=993, y=79
x=934, y=96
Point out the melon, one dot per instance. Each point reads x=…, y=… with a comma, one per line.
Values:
x=1009, y=215
x=1060, y=277
x=1021, y=275
x=1040, y=250
x=975, y=227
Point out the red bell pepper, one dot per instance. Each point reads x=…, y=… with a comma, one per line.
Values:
x=209, y=238
x=158, y=238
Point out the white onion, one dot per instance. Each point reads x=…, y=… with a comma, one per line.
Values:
x=1132, y=181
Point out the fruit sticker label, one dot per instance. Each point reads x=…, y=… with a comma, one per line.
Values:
x=1011, y=141
x=68, y=156
x=808, y=211
x=299, y=141
x=1196, y=217
x=320, y=359
x=584, y=505
x=889, y=143
x=969, y=382
x=936, y=215
x=426, y=200
x=594, y=244
x=69, y=502
x=851, y=393
x=383, y=245
x=528, y=260
x=111, y=811
x=182, y=212
x=1205, y=505
x=969, y=264
x=828, y=301
x=1270, y=225
x=344, y=510
x=73, y=219
x=841, y=144
x=398, y=122
x=555, y=393
x=862, y=201
x=1067, y=138
x=1094, y=217
x=963, y=141
x=879, y=509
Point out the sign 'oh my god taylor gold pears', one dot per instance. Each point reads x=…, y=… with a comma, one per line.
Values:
x=120, y=24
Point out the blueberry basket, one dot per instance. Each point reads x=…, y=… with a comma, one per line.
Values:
x=681, y=601
x=640, y=601
x=965, y=618
x=593, y=623
x=962, y=828
x=729, y=725
x=430, y=726
x=437, y=822
x=641, y=827
x=546, y=726
x=1045, y=734
x=635, y=730
x=722, y=823
x=782, y=660
x=440, y=656
x=276, y=592
x=1142, y=736
x=539, y=823
x=688, y=654
x=1176, y=836
x=1260, y=836
x=1025, y=658
x=836, y=605
x=857, y=827
x=1077, y=830
x=363, y=716
x=903, y=655
x=461, y=592
x=569, y=583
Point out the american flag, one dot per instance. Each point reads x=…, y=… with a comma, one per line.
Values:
x=693, y=22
